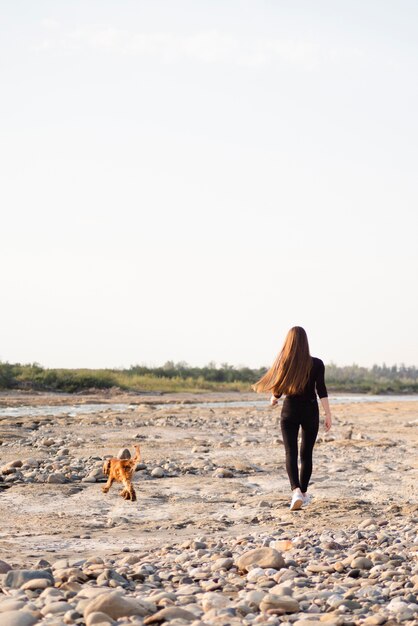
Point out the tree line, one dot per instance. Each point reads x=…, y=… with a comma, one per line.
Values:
x=181, y=376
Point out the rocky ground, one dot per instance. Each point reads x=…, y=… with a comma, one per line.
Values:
x=211, y=539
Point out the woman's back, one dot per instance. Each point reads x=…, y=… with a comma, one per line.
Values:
x=315, y=384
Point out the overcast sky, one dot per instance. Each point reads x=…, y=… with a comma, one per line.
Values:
x=186, y=180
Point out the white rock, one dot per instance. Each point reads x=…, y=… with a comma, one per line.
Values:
x=17, y=618
x=212, y=600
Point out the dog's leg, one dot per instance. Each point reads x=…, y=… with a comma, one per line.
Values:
x=133, y=493
x=127, y=489
x=108, y=485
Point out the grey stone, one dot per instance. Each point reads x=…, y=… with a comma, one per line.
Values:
x=57, y=478
x=124, y=454
x=18, y=577
x=4, y=567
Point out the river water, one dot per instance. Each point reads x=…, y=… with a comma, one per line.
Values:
x=72, y=410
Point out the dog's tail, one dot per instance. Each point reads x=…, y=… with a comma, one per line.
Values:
x=137, y=456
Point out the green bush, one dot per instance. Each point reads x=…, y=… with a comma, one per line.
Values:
x=173, y=377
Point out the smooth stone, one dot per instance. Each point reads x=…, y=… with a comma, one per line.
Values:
x=213, y=600
x=316, y=568
x=60, y=564
x=158, y=472
x=361, y=562
x=261, y=557
x=56, y=607
x=99, y=619
x=116, y=605
x=56, y=479
x=254, y=597
x=36, y=583
x=17, y=618
x=254, y=574
x=375, y=620
x=47, y=442
x=11, y=604
x=311, y=622
x=170, y=613
x=284, y=603
x=281, y=590
x=222, y=472
x=367, y=522
x=220, y=564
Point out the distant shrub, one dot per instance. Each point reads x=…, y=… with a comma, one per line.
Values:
x=173, y=377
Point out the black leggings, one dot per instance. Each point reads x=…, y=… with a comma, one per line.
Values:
x=299, y=413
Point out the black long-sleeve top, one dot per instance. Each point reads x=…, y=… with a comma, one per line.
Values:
x=316, y=382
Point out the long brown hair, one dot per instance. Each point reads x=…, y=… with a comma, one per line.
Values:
x=289, y=373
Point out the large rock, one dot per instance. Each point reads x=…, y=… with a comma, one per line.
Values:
x=169, y=613
x=260, y=557
x=18, y=577
x=271, y=602
x=17, y=618
x=116, y=605
x=124, y=454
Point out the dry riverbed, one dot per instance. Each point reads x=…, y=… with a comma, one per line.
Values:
x=211, y=487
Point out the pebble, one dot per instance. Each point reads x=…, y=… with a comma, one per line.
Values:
x=216, y=582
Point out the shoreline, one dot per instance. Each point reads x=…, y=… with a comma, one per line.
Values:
x=14, y=398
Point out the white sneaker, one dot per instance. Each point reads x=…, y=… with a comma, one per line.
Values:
x=297, y=501
x=307, y=499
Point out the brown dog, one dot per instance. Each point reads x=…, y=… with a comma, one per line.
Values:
x=122, y=471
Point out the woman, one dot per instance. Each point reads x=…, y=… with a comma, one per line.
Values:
x=299, y=377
